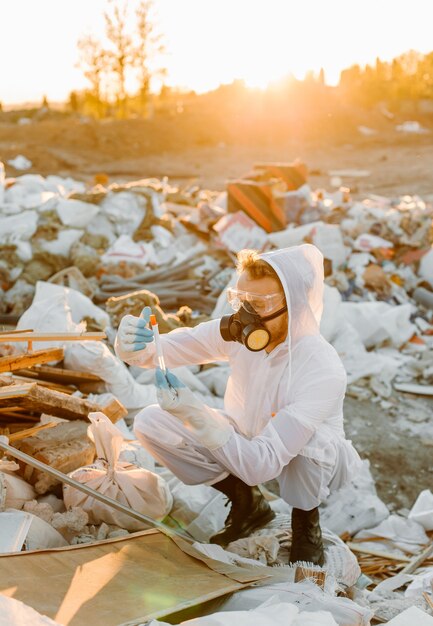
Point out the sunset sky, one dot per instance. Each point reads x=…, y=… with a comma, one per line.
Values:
x=211, y=41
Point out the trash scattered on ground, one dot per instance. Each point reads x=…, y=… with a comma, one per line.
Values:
x=411, y=127
x=74, y=260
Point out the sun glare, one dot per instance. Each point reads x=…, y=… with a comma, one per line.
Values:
x=211, y=42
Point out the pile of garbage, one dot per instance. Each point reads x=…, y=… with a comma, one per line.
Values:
x=75, y=259
x=147, y=242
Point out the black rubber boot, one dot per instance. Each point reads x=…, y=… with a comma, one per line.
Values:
x=249, y=511
x=307, y=542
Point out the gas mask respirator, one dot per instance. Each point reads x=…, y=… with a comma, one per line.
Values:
x=246, y=326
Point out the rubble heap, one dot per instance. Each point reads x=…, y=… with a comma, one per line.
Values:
x=75, y=259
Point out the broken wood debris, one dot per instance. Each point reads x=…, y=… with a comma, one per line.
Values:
x=12, y=337
x=33, y=397
x=15, y=362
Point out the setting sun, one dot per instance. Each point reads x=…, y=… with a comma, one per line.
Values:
x=208, y=42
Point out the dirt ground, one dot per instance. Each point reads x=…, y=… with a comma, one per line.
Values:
x=400, y=447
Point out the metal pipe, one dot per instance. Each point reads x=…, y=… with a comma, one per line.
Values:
x=88, y=490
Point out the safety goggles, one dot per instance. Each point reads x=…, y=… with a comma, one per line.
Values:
x=262, y=304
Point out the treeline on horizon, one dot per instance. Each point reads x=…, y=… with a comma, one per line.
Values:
x=132, y=53
x=400, y=83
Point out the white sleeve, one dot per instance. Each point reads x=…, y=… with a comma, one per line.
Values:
x=186, y=346
x=262, y=458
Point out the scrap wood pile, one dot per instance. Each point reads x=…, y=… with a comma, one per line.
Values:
x=74, y=260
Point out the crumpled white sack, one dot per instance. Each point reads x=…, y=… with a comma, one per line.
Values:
x=76, y=213
x=357, y=360
x=20, y=162
x=355, y=506
x=420, y=583
x=14, y=490
x=125, y=249
x=64, y=242
x=130, y=485
x=42, y=535
x=101, y=225
x=198, y=509
x=16, y=613
x=95, y=357
x=293, y=236
x=79, y=305
x=376, y=322
x=125, y=210
x=44, y=315
x=426, y=267
x=405, y=534
x=329, y=240
x=132, y=452
x=22, y=226
x=422, y=510
x=329, y=323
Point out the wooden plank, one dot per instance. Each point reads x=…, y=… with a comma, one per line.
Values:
x=29, y=432
x=418, y=560
x=21, y=361
x=17, y=379
x=114, y=410
x=61, y=375
x=35, y=336
x=33, y=397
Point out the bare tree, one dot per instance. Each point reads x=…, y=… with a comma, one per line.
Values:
x=121, y=56
x=93, y=62
x=149, y=46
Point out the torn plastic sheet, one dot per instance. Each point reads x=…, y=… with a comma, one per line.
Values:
x=45, y=314
x=399, y=532
x=22, y=226
x=20, y=528
x=76, y=213
x=199, y=509
x=306, y=595
x=376, y=322
x=125, y=249
x=354, y=507
x=422, y=510
x=272, y=613
x=64, y=242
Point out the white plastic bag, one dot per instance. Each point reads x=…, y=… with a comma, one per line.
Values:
x=422, y=510
x=199, y=509
x=130, y=485
x=80, y=305
x=76, y=213
x=44, y=315
x=14, y=491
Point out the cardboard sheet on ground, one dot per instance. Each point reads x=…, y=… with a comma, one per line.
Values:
x=121, y=581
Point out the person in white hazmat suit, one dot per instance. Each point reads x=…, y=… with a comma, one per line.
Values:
x=283, y=406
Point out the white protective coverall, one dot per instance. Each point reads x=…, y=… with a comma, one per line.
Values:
x=285, y=408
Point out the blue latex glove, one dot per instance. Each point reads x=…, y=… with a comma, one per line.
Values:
x=134, y=334
x=210, y=427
